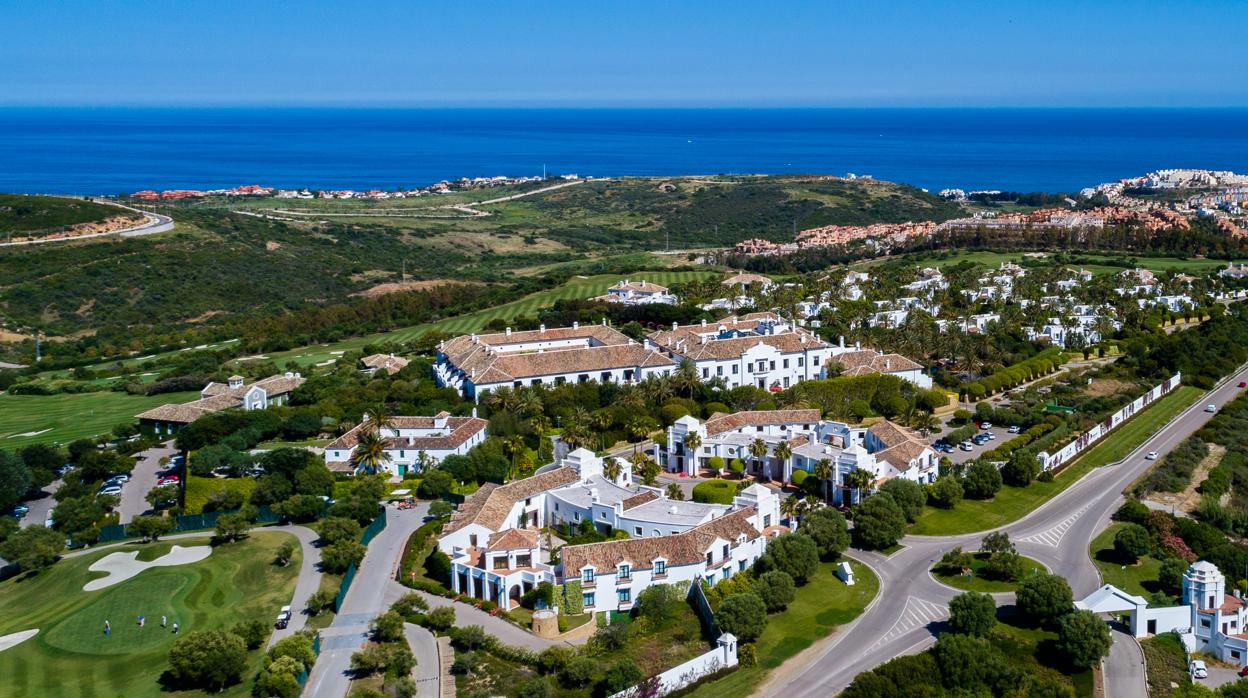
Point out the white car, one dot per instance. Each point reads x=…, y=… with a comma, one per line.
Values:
x=1198, y=669
x=112, y=489
x=1211, y=408
x=1152, y=455
x=1015, y=429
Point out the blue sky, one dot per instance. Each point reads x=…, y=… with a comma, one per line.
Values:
x=634, y=53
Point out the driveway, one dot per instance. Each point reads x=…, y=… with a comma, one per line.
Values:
x=1124, y=667
x=143, y=480
x=426, y=673
x=369, y=596
x=41, y=506
x=1218, y=677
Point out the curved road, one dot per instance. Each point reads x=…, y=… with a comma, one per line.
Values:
x=912, y=605
x=156, y=223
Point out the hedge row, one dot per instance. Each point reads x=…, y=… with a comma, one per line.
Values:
x=1041, y=364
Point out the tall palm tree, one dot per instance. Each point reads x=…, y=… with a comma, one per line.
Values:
x=758, y=449
x=859, y=480
x=378, y=418
x=675, y=492
x=790, y=507
x=686, y=377
x=925, y=422
x=612, y=469
x=692, y=443
x=528, y=403
x=514, y=446
x=823, y=470
x=782, y=455
x=600, y=420
x=370, y=453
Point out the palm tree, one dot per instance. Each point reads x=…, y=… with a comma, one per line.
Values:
x=823, y=470
x=758, y=449
x=686, y=377
x=638, y=428
x=501, y=400
x=600, y=420
x=644, y=466
x=675, y=492
x=782, y=454
x=925, y=422
x=370, y=452
x=514, y=446
x=692, y=443
x=859, y=480
x=378, y=418
x=528, y=403
x=790, y=507
x=612, y=469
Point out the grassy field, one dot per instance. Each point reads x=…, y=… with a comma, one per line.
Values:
x=198, y=490
x=820, y=607
x=577, y=288
x=71, y=656
x=1140, y=578
x=977, y=582
x=993, y=259
x=29, y=419
x=1012, y=503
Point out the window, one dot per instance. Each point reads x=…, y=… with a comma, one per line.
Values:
x=726, y=553
x=719, y=370
x=766, y=520
x=582, y=378
x=556, y=506
x=772, y=365
x=578, y=516
x=587, y=575
x=710, y=558
x=785, y=363
x=734, y=369
x=726, y=573
x=801, y=361
x=706, y=373
x=625, y=572
x=587, y=600
x=660, y=567
x=740, y=565
x=500, y=562
x=636, y=530
x=624, y=595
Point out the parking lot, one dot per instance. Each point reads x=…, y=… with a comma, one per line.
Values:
x=960, y=456
x=143, y=479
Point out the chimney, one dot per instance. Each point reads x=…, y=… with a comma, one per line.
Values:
x=508, y=331
x=704, y=322
x=576, y=325
x=858, y=346
x=888, y=364
x=675, y=325
x=542, y=328
x=474, y=412
x=593, y=495
x=703, y=338
x=672, y=510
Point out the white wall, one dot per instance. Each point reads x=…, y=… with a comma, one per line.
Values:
x=1066, y=453
x=723, y=656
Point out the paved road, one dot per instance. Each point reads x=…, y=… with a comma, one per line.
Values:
x=307, y=585
x=425, y=673
x=370, y=595
x=156, y=223
x=143, y=480
x=1124, y=668
x=908, y=613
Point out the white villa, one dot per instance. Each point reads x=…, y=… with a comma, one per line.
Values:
x=413, y=443
x=638, y=293
x=759, y=349
x=860, y=362
x=886, y=450
x=476, y=364
x=498, y=552
x=1210, y=620
x=235, y=393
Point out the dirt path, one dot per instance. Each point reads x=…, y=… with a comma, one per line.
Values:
x=1189, y=498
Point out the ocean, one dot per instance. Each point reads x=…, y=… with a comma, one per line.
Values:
x=112, y=150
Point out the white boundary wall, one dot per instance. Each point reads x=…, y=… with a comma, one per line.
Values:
x=724, y=655
x=1091, y=436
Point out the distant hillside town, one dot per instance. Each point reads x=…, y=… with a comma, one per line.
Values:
x=256, y=190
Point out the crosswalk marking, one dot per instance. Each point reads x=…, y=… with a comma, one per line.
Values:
x=916, y=613
x=1052, y=537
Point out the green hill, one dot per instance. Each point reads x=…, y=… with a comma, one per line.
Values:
x=24, y=215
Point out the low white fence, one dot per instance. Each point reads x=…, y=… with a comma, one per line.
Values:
x=1091, y=436
x=724, y=655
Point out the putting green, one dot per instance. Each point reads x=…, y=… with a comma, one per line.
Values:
x=72, y=657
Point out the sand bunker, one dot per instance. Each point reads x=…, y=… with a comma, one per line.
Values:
x=122, y=566
x=12, y=639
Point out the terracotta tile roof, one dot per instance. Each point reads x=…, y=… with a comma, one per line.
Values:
x=864, y=361
x=639, y=499
x=745, y=278
x=458, y=430
x=220, y=396
x=791, y=342
x=639, y=287
x=1230, y=604
x=385, y=362
x=686, y=548
x=513, y=539
x=490, y=505
x=719, y=424
x=901, y=446
x=484, y=363
x=743, y=323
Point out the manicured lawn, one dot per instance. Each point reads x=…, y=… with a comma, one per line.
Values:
x=1012, y=503
x=30, y=419
x=1140, y=578
x=820, y=607
x=977, y=582
x=71, y=656
x=198, y=489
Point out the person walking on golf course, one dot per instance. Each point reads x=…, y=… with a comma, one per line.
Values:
x=107, y=628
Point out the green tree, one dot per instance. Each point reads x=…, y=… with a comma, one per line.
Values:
x=441, y=619
x=792, y=553
x=233, y=527
x=211, y=659
x=33, y=548
x=253, y=632
x=280, y=679
x=1083, y=638
x=388, y=627
x=162, y=496
x=972, y=613
x=336, y=529
x=908, y=494
x=1170, y=577
x=946, y=492
x=1131, y=543
x=151, y=528
x=1044, y=598
x=743, y=615
x=336, y=558
x=297, y=647
x=15, y=480
x=827, y=527
x=965, y=660
x=982, y=480
x=1021, y=469
x=622, y=676
x=285, y=553
x=776, y=589
x=879, y=523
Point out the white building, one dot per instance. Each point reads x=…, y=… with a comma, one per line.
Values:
x=413, y=443
x=857, y=361
x=1209, y=619
x=759, y=349
x=497, y=551
x=235, y=393
x=476, y=364
x=638, y=293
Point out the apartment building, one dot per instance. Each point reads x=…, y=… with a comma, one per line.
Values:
x=759, y=349
x=412, y=443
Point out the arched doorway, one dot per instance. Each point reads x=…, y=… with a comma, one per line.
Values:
x=513, y=597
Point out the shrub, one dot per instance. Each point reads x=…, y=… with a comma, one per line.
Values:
x=799, y=476
x=795, y=554
x=715, y=463
x=1131, y=543
x=1044, y=598
x=440, y=619
x=972, y=613
x=776, y=589
x=210, y=659
x=878, y=522
x=253, y=632
x=982, y=480
x=908, y=495
x=946, y=492
x=622, y=675
x=743, y=615
x=714, y=492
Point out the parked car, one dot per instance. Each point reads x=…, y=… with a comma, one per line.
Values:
x=1015, y=429
x=121, y=477
x=1152, y=455
x=64, y=469
x=283, y=618
x=985, y=425
x=1211, y=408
x=20, y=510
x=114, y=490
x=989, y=436
x=1198, y=669
x=1243, y=384
x=1244, y=671
x=966, y=446
x=167, y=481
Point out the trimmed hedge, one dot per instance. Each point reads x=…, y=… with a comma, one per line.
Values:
x=715, y=492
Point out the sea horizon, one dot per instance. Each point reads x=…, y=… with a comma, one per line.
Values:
x=115, y=149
